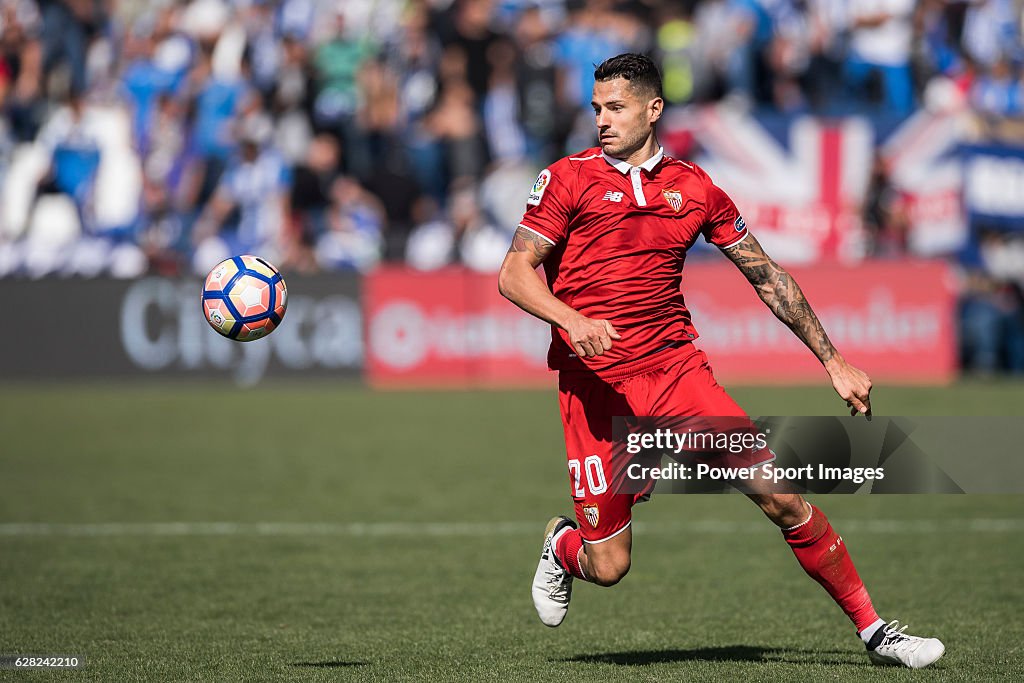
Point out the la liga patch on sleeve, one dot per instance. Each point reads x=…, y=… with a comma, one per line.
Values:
x=740, y=224
x=537, y=191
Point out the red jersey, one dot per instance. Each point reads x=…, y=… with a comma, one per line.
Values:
x=620, y=235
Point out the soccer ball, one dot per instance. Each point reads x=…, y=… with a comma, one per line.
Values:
x=244, y=298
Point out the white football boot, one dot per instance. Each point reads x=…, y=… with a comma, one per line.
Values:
x=552, y=584
x=890, y=645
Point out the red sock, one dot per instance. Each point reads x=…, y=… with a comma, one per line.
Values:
x=822, y=554
x=568, y=549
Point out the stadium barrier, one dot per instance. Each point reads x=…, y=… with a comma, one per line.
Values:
x=895, y=320
x=452, y=328
x=399, y=328
x=449, y=328
x=155, y=327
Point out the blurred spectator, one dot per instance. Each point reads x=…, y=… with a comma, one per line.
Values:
x=264, y=44
x=937, y=28
x=991, y=32
x=878, y=66
x=21, y=68
x=505, y=137
x=378, y=115
x=464, y=236
x=885, y=217
x=68, y=27
x=354, y=240
x=164, y=160
x=992, y=306
x=143, y=82
x=455, y=122
x=217, y=101
x=71, y=140
x=676, y=45
x=729, y=40
x=248, y=209
x=312, y=187
x=540, y=104
x=827, y=26
x=175, y=50
x=336, y=64
x=788, y=54
x=593, y=33
x=467, y=32
x=289, y=100
x=396, y=189
x=998, y=91
x=415, y=55
x=431, y=245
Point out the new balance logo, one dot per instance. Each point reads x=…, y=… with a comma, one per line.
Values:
x=610, y=196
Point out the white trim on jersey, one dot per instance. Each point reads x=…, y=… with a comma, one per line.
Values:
x=526, y=227
x=608, y=538
x=634, y=172
x=638, y=186
x=592, y=156
x=732, y=244
x=624, y=168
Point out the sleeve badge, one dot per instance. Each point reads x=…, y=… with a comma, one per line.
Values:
x=537, y=191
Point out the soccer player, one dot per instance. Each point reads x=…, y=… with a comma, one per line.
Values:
x=611, y=225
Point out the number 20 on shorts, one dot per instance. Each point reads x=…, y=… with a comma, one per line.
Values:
x=594, y=471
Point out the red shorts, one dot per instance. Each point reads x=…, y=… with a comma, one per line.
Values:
x=681, y=383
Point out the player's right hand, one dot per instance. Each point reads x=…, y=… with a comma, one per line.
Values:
x=590, y=337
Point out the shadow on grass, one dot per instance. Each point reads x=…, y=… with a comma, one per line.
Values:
x=330, y=665
x=728, y=653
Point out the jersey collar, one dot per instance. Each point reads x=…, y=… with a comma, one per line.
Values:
x=624, y=168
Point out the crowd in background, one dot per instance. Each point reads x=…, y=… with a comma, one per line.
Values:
x=161, y=136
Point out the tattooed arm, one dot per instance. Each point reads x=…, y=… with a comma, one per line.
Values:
x=780, y=292
x=518, y=282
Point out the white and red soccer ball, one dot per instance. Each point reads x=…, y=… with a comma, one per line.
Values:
x=244, y=298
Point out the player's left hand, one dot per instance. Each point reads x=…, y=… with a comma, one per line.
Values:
x=853, y=386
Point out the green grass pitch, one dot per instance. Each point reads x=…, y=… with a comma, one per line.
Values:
x=321, y=533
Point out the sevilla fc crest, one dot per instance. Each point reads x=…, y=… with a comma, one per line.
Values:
x=674, y=199
x=592, y=514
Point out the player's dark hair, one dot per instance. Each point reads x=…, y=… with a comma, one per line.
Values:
x=639, y=70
